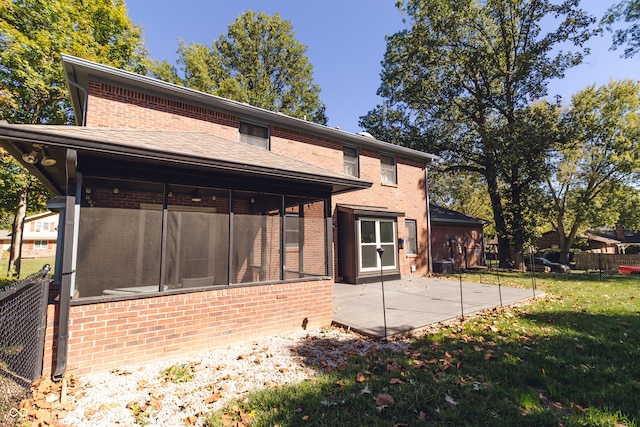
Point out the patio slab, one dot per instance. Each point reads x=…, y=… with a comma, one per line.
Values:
x=414, y=303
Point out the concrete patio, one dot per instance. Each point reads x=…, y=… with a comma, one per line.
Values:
x=415, y=302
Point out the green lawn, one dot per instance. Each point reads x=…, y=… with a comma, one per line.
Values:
x=570, y=359
x=28, y=267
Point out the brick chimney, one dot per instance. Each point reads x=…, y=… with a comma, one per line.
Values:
x=620, y=232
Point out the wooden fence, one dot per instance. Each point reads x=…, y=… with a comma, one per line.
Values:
x=604, y=262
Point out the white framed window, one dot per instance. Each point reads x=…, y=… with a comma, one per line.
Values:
x=253, y=134
x=350, y=157
x=374, y=234
x=41, y=244
x=42, y=226
x=388, y=170
x=410, y=237
x=292, y=230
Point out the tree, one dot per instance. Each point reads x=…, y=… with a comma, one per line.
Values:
x=629, y=12
x=33, y=33
x=258, y=62
x=460, y=83
x=589, y=184
x=462, y=192
x=629, y=215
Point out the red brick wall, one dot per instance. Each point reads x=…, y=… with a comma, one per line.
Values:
x=469, y=239
x=114, y=334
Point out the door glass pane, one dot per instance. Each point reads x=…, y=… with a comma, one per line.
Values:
x=386, y=231
x=367, y=231
x=388, y=257
x=369, y=256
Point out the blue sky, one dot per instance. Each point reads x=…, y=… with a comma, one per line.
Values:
x=346, y=43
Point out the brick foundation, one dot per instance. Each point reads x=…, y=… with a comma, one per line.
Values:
x=109, y=335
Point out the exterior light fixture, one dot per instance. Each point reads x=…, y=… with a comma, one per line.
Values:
x=47, y=160
x=196, y=196
x=31, y=157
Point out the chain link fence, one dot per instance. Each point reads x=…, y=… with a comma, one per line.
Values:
x=23, y=312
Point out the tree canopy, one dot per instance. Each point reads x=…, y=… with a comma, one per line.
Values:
x=589, y=183
x=33, y=33
x=259, y=61
x=629, y=12
x=461, y=82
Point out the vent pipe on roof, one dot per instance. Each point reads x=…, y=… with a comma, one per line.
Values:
x=365, y=134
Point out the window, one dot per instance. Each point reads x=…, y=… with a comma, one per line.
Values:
x=388, y=169
x=410, y=237
x=351, y=161
x=292, y=230
x=376, y=234
x=42, y=226
x=40, y=244
x=254, y=135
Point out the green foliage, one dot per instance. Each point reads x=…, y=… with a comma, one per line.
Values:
x=463, y=192
x=13, y=179
x=630, y=210
x=461, y=81
x=591, y=174
x=178, y=373
x=571, y=358
x=258, y=61
x=629, y=12
x=33, y=33
x=33, y=89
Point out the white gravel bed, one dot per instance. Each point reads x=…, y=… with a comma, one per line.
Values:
x=219, y=375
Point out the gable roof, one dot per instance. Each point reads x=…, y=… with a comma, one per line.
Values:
x=444, y=215
x=188, y=149
x=79, y=72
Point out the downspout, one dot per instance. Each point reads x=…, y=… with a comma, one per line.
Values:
x=66, y=281
x=426, y=193
x=86, y=100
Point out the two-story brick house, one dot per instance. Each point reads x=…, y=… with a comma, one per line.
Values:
x=193, y=221
x=39, y=236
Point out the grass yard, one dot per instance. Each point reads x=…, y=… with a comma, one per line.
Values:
x=570, y=359
x=28, y=267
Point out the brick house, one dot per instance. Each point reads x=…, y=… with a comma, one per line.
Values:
x=192, y=221
x=458, y=237
x=39, y=236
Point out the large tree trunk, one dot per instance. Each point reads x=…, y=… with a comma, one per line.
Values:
x=15, y=251
x=498, y=217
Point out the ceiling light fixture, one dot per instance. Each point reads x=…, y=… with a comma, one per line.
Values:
x=196, y=196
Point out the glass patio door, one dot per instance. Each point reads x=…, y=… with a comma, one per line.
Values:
x=374, y=234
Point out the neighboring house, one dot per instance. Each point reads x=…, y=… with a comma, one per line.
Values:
x=458, y=237
x=601, y=240
x=39, y=236
x=190, y=221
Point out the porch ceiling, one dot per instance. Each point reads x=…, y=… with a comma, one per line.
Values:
x=186, y=150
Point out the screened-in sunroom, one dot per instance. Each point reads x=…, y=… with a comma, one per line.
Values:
x=163, y=211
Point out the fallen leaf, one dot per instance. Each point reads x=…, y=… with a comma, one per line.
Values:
x=395, y=381
x=191, y=420
x=384, y=400
x=360, y=377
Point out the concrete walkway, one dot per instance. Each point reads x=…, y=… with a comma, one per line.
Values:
x=414, y=303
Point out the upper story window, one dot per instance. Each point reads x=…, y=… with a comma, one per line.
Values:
x=42, y=226
x=254, y=135
x=388, y=169
x=351, y=161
